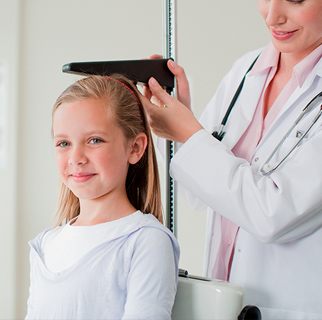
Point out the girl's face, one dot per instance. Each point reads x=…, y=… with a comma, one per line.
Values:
x=91, y=151
x=295, y=25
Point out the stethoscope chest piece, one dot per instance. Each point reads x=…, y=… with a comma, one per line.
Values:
x=266, y=168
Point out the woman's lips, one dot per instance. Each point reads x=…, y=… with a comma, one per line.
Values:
x=283, y=35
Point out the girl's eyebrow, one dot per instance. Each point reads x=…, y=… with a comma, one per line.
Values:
x=89, y=133
x=96, y=132
x=59, y=135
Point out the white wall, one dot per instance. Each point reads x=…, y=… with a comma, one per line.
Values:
x=9, y=55
x=37, y=38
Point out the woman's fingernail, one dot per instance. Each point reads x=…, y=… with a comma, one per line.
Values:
x=153, y=82
x=172, y=63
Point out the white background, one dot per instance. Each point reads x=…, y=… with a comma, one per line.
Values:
x=3, y=115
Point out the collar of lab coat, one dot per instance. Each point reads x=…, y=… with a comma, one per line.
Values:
x=269, y=58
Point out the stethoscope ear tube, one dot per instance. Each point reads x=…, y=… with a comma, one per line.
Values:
x=220, y=133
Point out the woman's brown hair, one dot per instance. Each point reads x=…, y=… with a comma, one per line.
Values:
x=120, y=96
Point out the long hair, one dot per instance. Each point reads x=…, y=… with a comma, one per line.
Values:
x=121, y=97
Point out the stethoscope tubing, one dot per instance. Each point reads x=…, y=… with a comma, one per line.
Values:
x=302, y=114
x=219, y=135
x=267, y=172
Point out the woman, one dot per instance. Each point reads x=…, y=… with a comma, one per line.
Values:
x=264, y=226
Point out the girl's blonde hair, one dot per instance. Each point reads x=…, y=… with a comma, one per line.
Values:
x=121, y=98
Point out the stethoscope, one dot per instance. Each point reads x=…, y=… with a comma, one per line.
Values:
x=267, y=168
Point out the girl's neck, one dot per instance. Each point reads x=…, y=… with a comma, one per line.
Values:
x=98, y=211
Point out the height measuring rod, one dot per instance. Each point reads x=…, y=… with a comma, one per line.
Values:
x=169, y=51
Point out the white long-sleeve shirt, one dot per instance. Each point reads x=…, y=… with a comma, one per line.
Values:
x=130, y=275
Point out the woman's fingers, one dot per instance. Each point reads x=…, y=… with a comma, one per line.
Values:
x=146, y=92
x=182, y=84
x=159, y=93
x=156, y=56
x=169, y=119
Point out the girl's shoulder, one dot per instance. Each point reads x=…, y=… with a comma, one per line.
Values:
x=153, y=230
x=150, y=221
x=153, y=238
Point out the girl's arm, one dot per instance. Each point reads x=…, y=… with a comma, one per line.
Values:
x=153, y=276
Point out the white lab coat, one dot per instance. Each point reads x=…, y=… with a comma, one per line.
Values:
x=278, y=259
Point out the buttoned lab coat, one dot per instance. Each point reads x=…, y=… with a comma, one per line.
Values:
x=278, y=254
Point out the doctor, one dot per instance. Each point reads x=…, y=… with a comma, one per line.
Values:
x=264, y=226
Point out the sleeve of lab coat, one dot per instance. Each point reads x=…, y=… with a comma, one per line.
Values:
x=281, y=207
x=214, y=112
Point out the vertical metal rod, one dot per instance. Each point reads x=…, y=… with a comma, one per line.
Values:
x=169, y=51
x=169, y=29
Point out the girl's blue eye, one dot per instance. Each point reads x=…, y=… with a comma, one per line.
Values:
x=63, y=144
x=96, y=141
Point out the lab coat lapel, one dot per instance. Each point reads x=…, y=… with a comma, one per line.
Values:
x=295, y=102
x=287, y=121
x=243, y=111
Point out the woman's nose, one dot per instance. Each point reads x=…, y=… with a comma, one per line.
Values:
x=276, y=13
x=77, y=157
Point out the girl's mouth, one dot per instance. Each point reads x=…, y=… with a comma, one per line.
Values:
x=82, y=177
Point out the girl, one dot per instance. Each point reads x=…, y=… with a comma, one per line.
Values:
x=112, y=259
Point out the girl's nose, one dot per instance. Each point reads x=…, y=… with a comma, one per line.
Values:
x=276, y=13
x=77, y=157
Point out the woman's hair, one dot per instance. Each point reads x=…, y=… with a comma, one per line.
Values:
x=121, y=97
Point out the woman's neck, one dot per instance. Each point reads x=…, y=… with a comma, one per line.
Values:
x=286, y=64
x=281, y=77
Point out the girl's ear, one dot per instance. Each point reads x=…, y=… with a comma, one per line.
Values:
x=138, y=146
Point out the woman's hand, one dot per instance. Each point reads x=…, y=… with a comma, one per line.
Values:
x=169, y=118
x=182, y=84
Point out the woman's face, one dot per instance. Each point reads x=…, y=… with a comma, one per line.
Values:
x=295, y=25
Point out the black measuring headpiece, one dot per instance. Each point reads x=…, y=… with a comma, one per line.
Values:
x=138, y=71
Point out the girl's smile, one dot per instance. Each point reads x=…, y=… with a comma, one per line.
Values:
x=82, y=177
